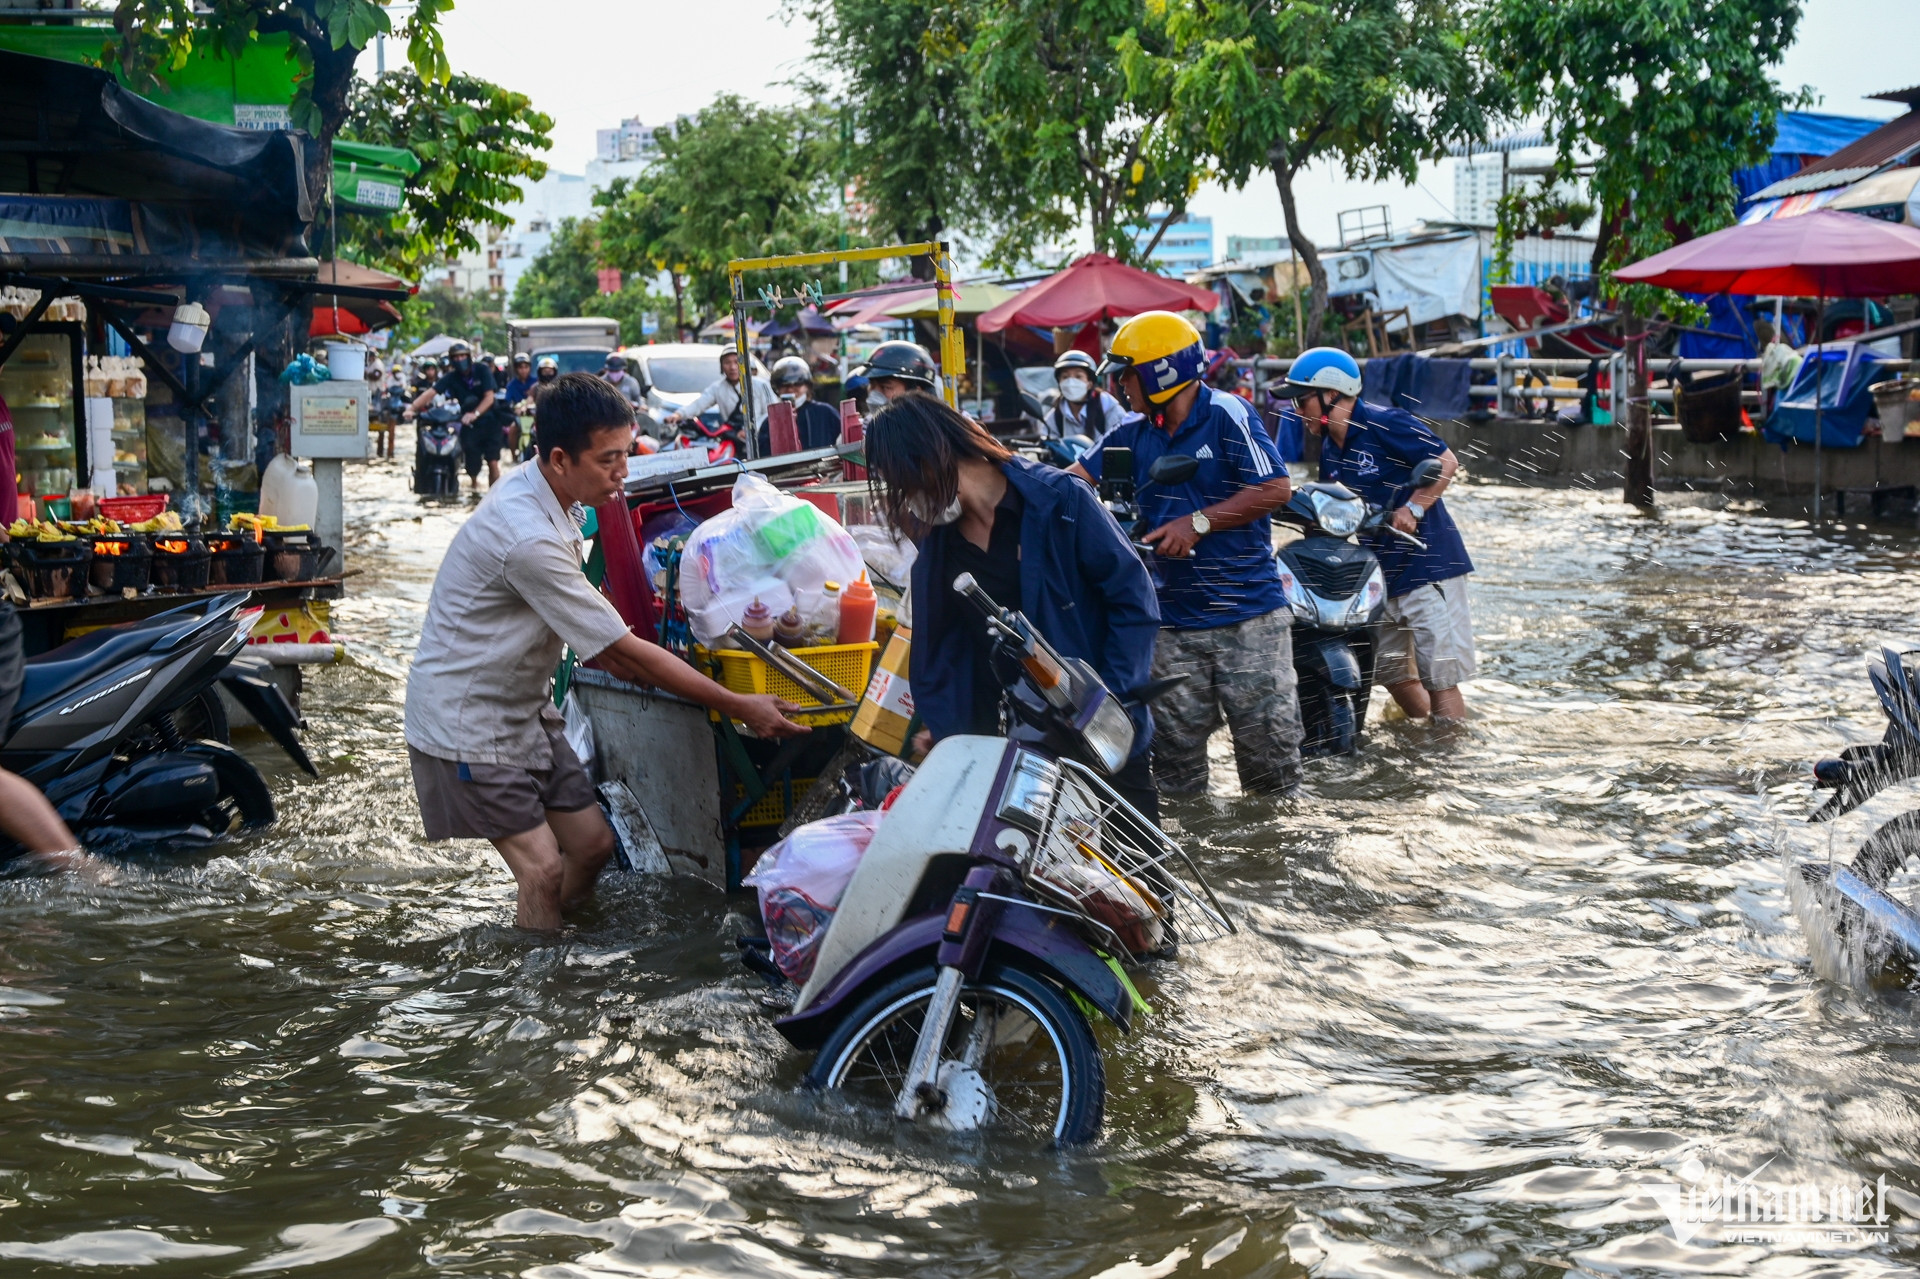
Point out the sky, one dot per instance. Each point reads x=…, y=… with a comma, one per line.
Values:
x=591, y=63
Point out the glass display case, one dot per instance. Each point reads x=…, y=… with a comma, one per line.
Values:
x=40, y=383
x=129, y=446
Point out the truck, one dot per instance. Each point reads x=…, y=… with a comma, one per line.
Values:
x=578, y=344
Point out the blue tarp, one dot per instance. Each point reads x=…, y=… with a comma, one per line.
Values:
x=1843, y=373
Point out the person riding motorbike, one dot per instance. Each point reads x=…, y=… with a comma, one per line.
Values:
x=819, y=425
x=894, y=369
x=1226, y=626
x=625, y=382
x=1037, y=541
x=1425, y=643
x=470, y=384
x=724, y=393
x=515, y=397
x=426, y=371
x=1083, y=408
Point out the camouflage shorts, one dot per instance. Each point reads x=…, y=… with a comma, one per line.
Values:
x=1240, y=675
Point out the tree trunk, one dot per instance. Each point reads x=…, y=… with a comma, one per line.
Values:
x=1639, y=450
x=1283, y=176
x=679, y=307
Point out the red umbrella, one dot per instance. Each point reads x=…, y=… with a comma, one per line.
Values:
x=1095, y=287
x=1824, y=254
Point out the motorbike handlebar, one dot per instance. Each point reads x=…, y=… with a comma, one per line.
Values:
x=1405, y=537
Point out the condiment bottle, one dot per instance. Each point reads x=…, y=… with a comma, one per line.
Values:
x=788, y=631
x=757, y=621
x=857, y=606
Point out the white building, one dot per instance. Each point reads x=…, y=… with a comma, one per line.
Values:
x=624, y=152
x=541, y=210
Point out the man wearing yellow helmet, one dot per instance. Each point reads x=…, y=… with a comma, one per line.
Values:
x=1224, y=622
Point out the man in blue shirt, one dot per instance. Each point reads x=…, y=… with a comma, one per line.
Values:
x=1424, y=649
x=1224, y=622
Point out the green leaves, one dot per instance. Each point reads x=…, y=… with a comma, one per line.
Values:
x=1663, y=99
x=475, y=142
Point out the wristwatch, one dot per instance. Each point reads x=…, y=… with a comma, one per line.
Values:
x=1201, y=524
x=1418, y=511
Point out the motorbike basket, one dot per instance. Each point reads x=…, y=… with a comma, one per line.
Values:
x=1099, y=858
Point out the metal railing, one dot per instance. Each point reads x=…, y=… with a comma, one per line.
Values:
x=1508, y=389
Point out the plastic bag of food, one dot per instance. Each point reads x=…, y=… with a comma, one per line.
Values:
x=801, y=880
x=770, y=546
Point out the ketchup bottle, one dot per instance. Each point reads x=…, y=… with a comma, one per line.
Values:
x=857, y=607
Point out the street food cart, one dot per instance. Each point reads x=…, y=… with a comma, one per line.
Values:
x=701, y=795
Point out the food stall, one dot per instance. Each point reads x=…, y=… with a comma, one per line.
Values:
x=145, y=257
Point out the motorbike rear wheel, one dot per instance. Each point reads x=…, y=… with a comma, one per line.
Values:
x=1017, y=1034
x=1891, y=852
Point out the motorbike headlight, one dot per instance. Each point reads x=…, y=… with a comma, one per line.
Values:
x=1369, y=598
x=1108, y=734
x=1340, y=516
x=1297, y=598
x=1028, y=795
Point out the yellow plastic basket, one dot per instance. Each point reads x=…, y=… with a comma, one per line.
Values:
x=847, y=665
x=771, y=808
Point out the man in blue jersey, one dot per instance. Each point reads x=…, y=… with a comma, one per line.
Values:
x=1224, y=622
x=1425, y=645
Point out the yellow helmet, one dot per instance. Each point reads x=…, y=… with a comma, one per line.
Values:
x=1164, y=349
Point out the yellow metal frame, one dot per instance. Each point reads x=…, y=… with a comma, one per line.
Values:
x=952, y=343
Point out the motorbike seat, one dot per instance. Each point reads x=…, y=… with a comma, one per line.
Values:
x=58, y=669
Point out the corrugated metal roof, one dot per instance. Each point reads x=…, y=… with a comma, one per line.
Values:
x=1909, y=96
x=1523, y=140
x=1805, y=181
x=1886, y=146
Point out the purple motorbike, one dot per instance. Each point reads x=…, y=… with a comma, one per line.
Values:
x=1004, y=894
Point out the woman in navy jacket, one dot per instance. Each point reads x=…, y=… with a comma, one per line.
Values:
x=1037, y=540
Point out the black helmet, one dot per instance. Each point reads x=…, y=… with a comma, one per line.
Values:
x=907, y=361
x=791, y=371
x=616, y=363
x=458, y=348
x=1074, y=360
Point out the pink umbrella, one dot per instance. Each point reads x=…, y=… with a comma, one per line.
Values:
x=1823, y=254
x=1095, y=287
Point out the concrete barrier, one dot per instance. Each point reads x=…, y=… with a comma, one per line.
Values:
x=1533, y=452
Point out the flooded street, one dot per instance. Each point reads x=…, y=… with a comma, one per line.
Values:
x=1485, y=989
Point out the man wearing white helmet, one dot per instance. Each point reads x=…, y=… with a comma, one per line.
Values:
x=1083, y=408
x=1424, y=649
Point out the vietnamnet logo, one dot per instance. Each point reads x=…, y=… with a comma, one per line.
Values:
x=1748, y=1209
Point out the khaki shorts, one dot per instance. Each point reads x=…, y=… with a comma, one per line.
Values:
x=1427, y=634
x=493, y=801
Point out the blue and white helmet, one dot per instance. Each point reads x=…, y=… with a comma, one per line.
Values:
x=1322, y=368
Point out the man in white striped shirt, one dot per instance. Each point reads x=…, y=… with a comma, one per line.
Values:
x=1225, y=623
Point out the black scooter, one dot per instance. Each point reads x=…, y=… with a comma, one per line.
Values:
x=1337, y=592
x=436, y=451
x=1855, y=916
x=98, y=730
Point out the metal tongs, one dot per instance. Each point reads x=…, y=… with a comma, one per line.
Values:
x=823, y=690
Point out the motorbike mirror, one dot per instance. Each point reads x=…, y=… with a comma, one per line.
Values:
x=1173, y=468
x=1428, y=472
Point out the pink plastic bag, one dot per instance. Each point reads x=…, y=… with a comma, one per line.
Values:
x=801, y=880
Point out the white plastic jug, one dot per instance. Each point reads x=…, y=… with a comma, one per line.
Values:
x=303, y=499
x=273, y=486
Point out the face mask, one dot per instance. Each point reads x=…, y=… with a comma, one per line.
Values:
x=876, y=401
x=795, y=398
x=547, y=375
x=1075, y=389
x=917, y=507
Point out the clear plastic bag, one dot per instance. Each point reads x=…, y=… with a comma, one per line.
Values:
x=801, y=880
x=771, y=547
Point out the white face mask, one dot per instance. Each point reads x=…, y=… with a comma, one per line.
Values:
x=794, y=398
x=917, y=508
x=1075, y=389
x=876, y=401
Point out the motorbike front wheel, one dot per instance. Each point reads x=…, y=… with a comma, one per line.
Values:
x=1020, y=1056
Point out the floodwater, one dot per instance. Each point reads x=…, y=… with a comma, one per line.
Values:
x=1486, y=989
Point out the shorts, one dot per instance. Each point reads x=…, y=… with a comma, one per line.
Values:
x=493, y=801
x=1427, y=634
x=482, y=440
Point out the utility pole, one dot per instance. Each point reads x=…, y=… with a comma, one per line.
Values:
x=1639, y=450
